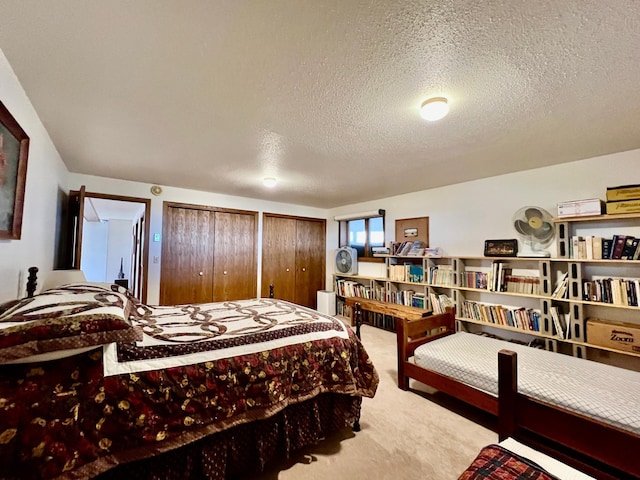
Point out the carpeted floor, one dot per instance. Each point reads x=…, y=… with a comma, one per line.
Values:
x=405, y=435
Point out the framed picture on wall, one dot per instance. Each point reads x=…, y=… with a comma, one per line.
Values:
x=14, y=151
x=413, y=229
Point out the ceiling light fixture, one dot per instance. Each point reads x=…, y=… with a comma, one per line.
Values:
x=269, y=182
x=434, y=109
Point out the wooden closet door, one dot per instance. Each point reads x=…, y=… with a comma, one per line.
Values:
x=187, y=256
x=234, y=265
x=310, y=261
x=278, y=257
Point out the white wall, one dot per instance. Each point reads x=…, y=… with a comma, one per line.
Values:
x=170, y=194
x=93, y=260
x=119, y=249
x=463, y=216
x=46, y=179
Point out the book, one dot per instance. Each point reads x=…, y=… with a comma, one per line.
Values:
x=561, y=289
x=567, y=334
x=575, y=246
x=416, y=249
x=588, y=242
x=630, y=247
x=597, y=248
x=558, y=327
x=617, y=246
x=416, y=273
x=607, y=243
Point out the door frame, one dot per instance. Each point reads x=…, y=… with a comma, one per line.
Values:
x=147, y=230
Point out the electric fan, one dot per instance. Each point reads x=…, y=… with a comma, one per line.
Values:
x=535, y=227
x=347, y=260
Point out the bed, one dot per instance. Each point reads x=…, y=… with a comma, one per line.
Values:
x=601, y=441
x=96, y=384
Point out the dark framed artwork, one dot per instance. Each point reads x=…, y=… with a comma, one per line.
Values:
x=14, y=151
x=501, y=248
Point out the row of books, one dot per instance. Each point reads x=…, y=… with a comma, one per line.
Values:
x=406, y=273
x=411, y=249
x=435, y=275
x=561, y=323
x=562, y=287
x=501, y=279
x=520, y=317
x=350, y=288
x=619, y=247
x=408, y=298
x=441, y=275
x=617, y=291
x=414, y=249
x=439, y=303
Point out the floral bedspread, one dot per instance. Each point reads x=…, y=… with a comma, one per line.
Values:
x=497, y=463
x=66, y=419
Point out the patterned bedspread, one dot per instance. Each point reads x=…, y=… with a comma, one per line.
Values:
x=497, y=463
x=199, y=369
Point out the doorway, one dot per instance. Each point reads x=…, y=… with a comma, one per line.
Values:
x=109, y=239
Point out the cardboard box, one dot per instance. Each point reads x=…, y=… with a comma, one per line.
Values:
x=577, y=208
x=616, y=335
x=623, y=206
x=623, y=192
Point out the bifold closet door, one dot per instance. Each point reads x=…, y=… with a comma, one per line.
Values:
x=279, y=257
x=234, y=264
x=293, y=258
x=310, y=264
x=187, y=255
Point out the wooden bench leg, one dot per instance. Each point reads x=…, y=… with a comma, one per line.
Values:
x=403, y=380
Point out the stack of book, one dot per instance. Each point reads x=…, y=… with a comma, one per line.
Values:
x=619, y=247
x=623, y=199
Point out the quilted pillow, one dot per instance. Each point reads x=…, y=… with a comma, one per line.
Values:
x=69, y=317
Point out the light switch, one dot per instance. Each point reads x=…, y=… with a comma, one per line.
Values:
x=156, y=237
x=156, y=259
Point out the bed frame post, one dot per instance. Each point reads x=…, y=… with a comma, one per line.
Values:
x=357, y=318
x=32, y=281
x=507, y=393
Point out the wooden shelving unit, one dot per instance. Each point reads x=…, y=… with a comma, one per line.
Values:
x=576, y=309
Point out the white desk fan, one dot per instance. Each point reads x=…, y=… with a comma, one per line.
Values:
x=534, y=225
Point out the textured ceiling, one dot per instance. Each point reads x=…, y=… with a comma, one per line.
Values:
x=324, y=95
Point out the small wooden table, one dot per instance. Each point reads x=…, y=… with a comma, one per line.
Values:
x=392, y=309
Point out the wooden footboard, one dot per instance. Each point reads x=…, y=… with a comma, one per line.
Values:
x=596, y=448
x=413, y=333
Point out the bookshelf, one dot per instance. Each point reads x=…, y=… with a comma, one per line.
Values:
x=516, y=297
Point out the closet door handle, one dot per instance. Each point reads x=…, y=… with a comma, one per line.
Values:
x=224, y=273
x=287, y=269
x=201, y=274
x=304, y=269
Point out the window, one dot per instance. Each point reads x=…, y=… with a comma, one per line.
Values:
x=362, y=234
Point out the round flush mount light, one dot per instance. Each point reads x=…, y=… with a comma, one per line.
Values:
x=156, y=190
x=434, y=109
x=269, y=182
